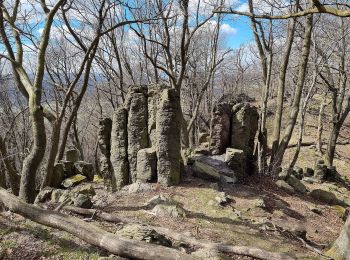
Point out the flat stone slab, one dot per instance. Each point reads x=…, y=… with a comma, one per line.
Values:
x=213, y=168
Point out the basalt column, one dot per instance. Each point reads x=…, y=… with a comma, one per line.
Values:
x=168, y=134
x=119, y=150
x=137, y=127
x=104, y=141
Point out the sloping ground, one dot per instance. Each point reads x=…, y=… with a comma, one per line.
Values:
x=244, y=221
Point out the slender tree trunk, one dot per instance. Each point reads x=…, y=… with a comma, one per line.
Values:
x=280, y=93
x=297, y=96
x=32, y=162
x=11, y=175
x=332, y=142
x=320, y=125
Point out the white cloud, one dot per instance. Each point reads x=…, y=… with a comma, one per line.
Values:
x=228, y=29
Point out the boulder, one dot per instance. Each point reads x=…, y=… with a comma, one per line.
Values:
x=244, y=127
x=138, y=187
x=320, y=172
x=168, y=210
x=86, y=189
x=104, y=143
x=285, y=186
x=73, y=181
x=145, y=233
x=119, y=151
x=82, y=201
x=68, y=168
x=235, y=160
x=56, y=195
x=43, y=195
x=146, y=165
x=72, y=155
x=296, y=184
x=58, y=175
x=137, y=130
x=203, y=138
x=326, y=197
x=213, y=169
x=308, y=172
x=84, y=168
x=341, y=247
x=220, y=129
x=168, y=132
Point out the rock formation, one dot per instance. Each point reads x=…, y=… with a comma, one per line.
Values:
x=119, y=150
x=137, y=130
x=168, y=134
x=146, y=165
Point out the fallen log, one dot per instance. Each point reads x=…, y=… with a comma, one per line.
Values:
x=238, y=250
x=90, y=233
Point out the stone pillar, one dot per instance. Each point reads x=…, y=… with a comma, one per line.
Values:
x=168, y=133
x=119, y=149
x=104, y=141
x=154, y=93
x=137, y=129
x=146, y=165
x=245, y=120
x=220, y=129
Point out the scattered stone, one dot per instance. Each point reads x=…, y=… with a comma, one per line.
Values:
x=296, y=184
x=320, y=171
x=137, y=130
x=285, y=186
x=260, y=203
x=86, y=189
x=213, y=169
x=82, y=201
x=138, y=187
x=65, y=196
x=159, y=199
x=298, y=172
x=341, y=212
x=104, y=143
x=58, y=175
x=44, y=195
x=326, y=197
x=165, y=210
x=316, y=209
x=72, y=155
x=73, y=181
x=168, y=132
x=235, y=160
x=223, y=199
x=299, y=231
x=68, y=168
x=284, y=174
x=311, y=180
x=119, y=151
x=56, y=194
x=308, y=172
x=85, y=169
x=146, y=165
x=143, y=233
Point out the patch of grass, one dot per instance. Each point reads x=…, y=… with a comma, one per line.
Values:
x=7, y=244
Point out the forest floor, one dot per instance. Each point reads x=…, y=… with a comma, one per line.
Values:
x=241, y=222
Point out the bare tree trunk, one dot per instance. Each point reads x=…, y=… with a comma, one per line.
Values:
x=297, y=96
x=90, y=233
x=281, y=87
x=11, y=175
x=320, y=125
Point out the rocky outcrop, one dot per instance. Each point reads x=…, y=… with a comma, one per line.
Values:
x=220, y=129
x=104, y=142
x=146, y=165
x=137, y=130
x=119, y=150
x=58, y=175
x=236, y=160
x=84, y=168
x=243, y=129
x=72, y=155
x=168, y=134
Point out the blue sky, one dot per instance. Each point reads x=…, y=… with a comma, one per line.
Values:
x=243, y=32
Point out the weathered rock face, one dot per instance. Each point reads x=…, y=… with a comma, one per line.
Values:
x=85, y=169
x=82, y=201
x=146, y=165
x=244, y=127
x=58, y=175
x=72, y=155
x=119, y=150
x=320, y=171
x=341, y=247
x=236, y=160
x=104, y=142
x=220, y=129
x=154, y=93
x=137, y=130
x=213, y=169
x=168, y=134
x=73, y=181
